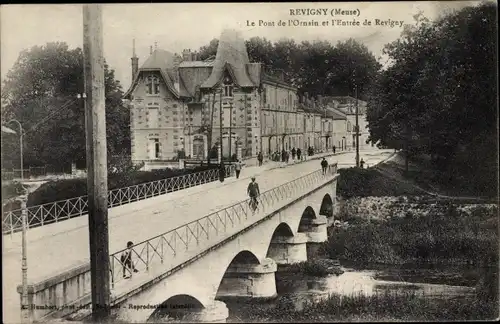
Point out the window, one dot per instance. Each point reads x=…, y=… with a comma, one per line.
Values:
x=152, y=85
x=228, y=90
x=157, y=148
x=154, y=148
x=228, y=87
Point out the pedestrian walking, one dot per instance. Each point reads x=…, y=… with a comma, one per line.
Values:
x=362, y=163
x=299, y=153
x=293, y=153
x=260, y=158
x=324, y=165
x=126, y=260
x=237, y=168
x=334, y=148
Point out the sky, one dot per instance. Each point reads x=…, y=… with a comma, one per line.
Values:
x=178, y=26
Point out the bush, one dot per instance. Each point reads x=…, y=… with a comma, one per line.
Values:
x=71, y=188
x=10, y=190
x=445, y=233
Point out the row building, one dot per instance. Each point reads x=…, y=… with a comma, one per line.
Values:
x=180, y=105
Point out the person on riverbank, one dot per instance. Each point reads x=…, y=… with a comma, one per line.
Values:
x=126, y=260
x=260, y=158
x=324, y=165
x=362, y=163
x=237, y=168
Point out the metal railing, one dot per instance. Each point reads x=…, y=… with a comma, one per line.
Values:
x=210, y=230
x=53, y=212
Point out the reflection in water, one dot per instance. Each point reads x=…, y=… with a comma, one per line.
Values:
x=354, y=282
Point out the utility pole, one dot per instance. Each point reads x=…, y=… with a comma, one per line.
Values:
x=97, y=181
x=221, y=169
x=357, y=125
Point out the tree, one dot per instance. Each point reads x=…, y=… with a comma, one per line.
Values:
x=40, y=91
x=318, y=68
x=441, y=88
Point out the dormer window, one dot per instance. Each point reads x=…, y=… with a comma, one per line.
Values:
x=153, y=85
x=228, y=87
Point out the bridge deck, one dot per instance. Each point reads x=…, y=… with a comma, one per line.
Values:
x=60, y=246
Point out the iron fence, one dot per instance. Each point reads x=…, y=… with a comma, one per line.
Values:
x=210, y=230
x=49, y=213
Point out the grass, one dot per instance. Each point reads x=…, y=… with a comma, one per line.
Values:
x=393, y=306
x=355, y=182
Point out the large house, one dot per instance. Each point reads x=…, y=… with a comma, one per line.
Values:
x=181, y=104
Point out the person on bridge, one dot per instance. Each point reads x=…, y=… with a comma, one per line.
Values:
x=126, y=259
x=324, y=165
x=260, y=158
x=253, y=192
x=237, y=168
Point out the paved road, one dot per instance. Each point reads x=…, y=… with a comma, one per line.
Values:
x=60, y=246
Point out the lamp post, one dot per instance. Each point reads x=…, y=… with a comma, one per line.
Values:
x=25, y=313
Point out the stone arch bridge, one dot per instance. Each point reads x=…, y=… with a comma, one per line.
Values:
x=288, y=226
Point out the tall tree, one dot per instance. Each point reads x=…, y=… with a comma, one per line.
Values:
x=442, y=88
x=41, y=92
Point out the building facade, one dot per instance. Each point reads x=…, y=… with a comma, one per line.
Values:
x=347, y=105
x=184, y=107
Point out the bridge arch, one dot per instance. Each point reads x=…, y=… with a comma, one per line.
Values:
x=232, y=281
x=285, y=247
x=307, y=218
x=326, y=208
x=177, y=308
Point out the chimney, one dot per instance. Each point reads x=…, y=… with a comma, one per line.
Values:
x=135, y=61
x=186, y=55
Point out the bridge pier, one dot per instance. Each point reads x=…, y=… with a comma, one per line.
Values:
x=288, y=249
x=316, y=231
x=249, y=281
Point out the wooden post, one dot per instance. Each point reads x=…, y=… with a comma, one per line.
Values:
x=357, y=128
x=97, y=182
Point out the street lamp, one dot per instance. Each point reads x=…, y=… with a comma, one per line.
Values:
x=25, y=314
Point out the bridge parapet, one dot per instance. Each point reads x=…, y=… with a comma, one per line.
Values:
x=164, y=254
x=57, y=211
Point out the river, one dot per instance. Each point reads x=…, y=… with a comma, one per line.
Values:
x=430, y=281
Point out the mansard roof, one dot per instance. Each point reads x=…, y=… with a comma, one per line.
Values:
x=231, y=52
x=335, y=114
x=161, y=61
